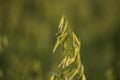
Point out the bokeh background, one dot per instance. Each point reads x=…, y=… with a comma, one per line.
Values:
x=27, y=37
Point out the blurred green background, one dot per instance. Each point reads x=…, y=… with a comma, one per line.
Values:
x=27, y=37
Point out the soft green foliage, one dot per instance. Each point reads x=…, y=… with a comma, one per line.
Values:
x=70, y=67
x=29, y=26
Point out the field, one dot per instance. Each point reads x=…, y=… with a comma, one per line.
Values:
x=33, y=45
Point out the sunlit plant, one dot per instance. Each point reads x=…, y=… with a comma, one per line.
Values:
x=70, y=67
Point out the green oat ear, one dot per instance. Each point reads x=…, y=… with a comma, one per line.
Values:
x=70, y=67
x=61, y=32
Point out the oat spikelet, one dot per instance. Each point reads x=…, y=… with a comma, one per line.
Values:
x=70, y=67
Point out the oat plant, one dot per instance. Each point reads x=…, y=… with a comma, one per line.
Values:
x=70, y=67
x=110, y=74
